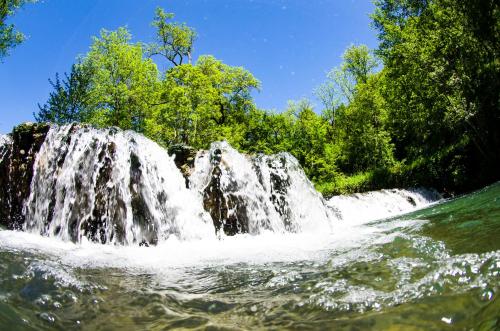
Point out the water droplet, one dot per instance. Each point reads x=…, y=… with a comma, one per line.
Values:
x=47, y=317
x=447, y=320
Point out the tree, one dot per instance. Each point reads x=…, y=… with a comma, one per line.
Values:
x=123, y=83
x=358, y=63
x=390, y=19
x=203, y=102
x=441, y=59
x=174, y=41
x=365, y=142
x=9, y=36
x=112, y=85
x=70, y=99
x=183, y=114
x=233, y=87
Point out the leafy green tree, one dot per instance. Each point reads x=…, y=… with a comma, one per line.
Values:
x=9, y=36
x=112, y=85
x=183, y=115
x=70, y=99
x=390, y=19
x=202, y=103
x=269, y=132
x=358, y=63
x=233, y=87
x=123, y=82
x=441, y=59
x=365, y=141
x=174, y=41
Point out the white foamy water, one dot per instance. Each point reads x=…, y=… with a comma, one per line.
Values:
x=364, y=207
x=275, y=192
x=173, y=253
x=4, y=139
x=111, y=186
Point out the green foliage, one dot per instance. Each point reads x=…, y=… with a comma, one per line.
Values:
x=430, y=116
x=390, y=19
x=113, y=85
x=123, y=83
x=442, y=65
x=70, y=99
x=202, y=103
x=9, y=36
x=366, y=144
x=357, y=65
x=356, y=123
x=174, y=41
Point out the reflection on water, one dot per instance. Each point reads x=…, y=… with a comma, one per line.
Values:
x=434, y=269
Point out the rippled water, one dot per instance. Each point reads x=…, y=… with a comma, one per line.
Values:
x=434, y=269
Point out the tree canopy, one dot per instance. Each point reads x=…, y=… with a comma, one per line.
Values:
x=9, y=36
x=421, y=109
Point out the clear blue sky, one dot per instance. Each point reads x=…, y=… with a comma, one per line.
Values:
x=289, y=45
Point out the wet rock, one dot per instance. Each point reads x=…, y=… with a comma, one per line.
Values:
x=184, y=159
x=227, y=209
x=97, y=228
x=17, y=158
x=5, y=152
x=140, y=211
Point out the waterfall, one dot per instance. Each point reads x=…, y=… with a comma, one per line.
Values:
x=363, y=207
x=110, y=186
x=118, y=187
x=254, y=194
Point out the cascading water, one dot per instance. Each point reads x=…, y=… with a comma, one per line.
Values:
x=113, y=186
x=110, y=186
x=363, y=207
x=255, y=194
x=5, y=142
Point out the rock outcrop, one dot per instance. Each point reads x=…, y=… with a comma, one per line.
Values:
x=226, y=207
x=184, y=157
x=17, y=156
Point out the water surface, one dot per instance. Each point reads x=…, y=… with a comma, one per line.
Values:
x=434, y=269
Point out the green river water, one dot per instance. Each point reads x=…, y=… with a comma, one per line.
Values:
x=433, y=269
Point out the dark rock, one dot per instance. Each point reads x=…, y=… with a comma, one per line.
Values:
x=140, y=211
x=16, y=171
x=411, y=201
x=227, y=209
x=5, y=152
x=108, y=208
x=184, y=159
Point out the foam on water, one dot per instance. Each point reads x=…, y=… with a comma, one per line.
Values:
x=268, y=247
x=369, y=206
